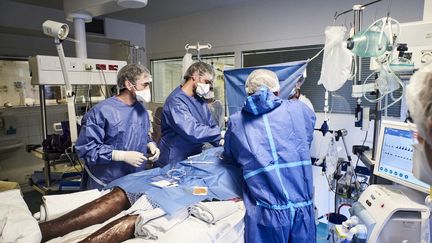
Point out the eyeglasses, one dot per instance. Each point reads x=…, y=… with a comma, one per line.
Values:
x=144, y=85
x=207, y=81
x=145, y=82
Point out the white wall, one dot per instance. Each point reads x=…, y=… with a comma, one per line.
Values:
x=18, y=164
x=262, y=25
x=123, y=30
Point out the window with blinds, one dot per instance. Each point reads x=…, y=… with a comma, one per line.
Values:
x=340, y=100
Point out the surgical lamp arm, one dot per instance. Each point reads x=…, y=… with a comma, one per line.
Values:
x=70, y=95
x=63, y=66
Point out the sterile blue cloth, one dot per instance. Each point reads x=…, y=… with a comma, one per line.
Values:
x=288, y=73
x=186, y=125
x=111, y=125
x=270, y=140
x=223, y=181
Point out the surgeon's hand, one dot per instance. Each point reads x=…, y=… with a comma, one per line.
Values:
x=222, y=141
x=133, y=158
x=223, y=134
x=154, y=151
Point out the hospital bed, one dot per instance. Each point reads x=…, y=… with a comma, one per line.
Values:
x=18, y=225
x=21, y=226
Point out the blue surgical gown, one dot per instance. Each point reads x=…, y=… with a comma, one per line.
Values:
x=186, y=125
x=270, y=139
x=111, y=125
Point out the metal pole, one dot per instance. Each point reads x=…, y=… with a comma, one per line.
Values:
x=377, y=126
x=80, y=35
x=358, y=17
x=47, y=169
x=43, y=111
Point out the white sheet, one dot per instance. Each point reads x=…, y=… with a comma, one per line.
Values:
x=55, y=206
x=159, y=226
x=229, y=229
x=211, y=212
x=191, y=230
x=16, y=221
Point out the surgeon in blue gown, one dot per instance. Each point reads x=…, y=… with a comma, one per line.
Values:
x=114, y=138
x=270, y=139
x=186, y=120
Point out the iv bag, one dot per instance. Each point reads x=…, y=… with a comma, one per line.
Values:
x=387, y=82
x=337, y=60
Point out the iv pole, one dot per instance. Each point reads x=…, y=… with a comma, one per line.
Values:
x=358, y=21
x=198, y=47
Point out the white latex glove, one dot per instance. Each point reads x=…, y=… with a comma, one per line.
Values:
x=221, y=142
x=154, y=151
x=223, y=134
x=133, y=158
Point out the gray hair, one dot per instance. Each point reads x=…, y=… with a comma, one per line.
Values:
x=419, y=99
x=200, y=69
x=131, y=72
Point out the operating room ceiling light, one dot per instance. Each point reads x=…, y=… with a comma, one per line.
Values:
x=132, y=3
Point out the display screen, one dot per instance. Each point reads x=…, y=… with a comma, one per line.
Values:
x=396, y=156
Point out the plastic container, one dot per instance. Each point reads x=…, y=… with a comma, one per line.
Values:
x=333, y=220
x=367, y=44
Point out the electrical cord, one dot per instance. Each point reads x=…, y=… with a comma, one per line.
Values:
x=329, y=184
x=73, y=161
x=106, y=85
x=358, y=158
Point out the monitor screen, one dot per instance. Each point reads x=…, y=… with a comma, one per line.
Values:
x=395, y=152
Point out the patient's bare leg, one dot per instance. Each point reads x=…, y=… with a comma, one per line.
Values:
x=94, y=212
x=119, y=230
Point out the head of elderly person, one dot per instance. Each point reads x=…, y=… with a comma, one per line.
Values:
x=419, y=101
x=262, y=77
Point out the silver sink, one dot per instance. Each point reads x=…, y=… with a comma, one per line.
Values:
x=9, y=145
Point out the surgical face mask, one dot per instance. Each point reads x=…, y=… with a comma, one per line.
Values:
x=209, y=95
x=421, y=168
x=202, y=89
x=143, y=95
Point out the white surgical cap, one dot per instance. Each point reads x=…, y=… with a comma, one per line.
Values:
x=419, y=99
x=262, y=77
